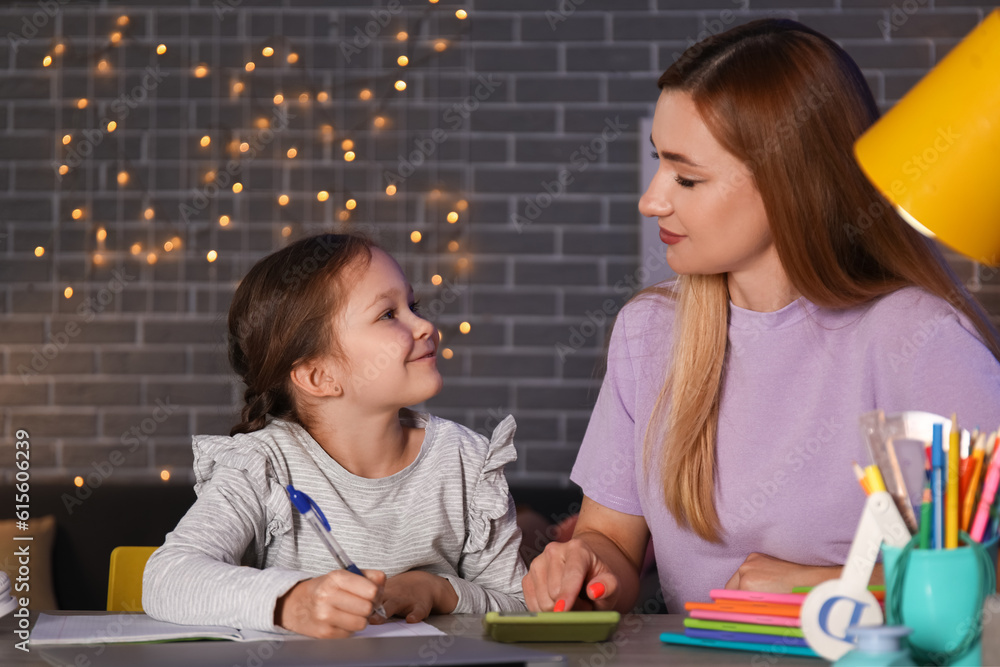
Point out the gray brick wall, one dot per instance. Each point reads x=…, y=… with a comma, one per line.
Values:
x=132, y=363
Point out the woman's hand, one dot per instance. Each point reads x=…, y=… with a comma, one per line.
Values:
x=417, y=594
x=331, y=606
x=767, y=574
x=555, y=581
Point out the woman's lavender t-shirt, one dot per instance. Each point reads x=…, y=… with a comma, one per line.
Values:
x=796, y=382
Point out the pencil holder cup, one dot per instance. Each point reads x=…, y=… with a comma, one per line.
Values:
x=939, y=594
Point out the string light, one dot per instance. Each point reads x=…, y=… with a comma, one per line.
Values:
x=122, y=178
x=379, y=122
x=77, y=213
x=453, y=246
x=401, y=35
x=416, y=236
x=292, y=58
x=465, y=327
x=66, y=139
x=436, y=279
x=148, y=213
x=78, y=481
x=161, y=49
x=136, y=248
x=81, y=103
x=453, y=217
x=286, y=231
x=209, y=176
x=244, y=147
x=347, y=144
x=262, y=123
x=98, y=259
x=322, y=96
x=102, y=234
x=461, y=14
x=279, y=98
x=351, y=204
x=400, y=85
x=165, y=475
x=344, y=216
x=68, y=292
x=46, y=61
x=282, y=200
x=112, y=126
x=403, y=61
x=440, y=45
x=237, y=188
x=237, y=87
x=349, y=156
x=322, y=195
x=267, y=52
x=461, y=205
x=201, y=71
x=224, y=221
x=462, y=263
x=59, y=48
x=116, y=37
x=304, y=97
x=447, y=353
x=168, y=246
x=327, y=130
x=103, y=66
x=250, y=66
x=390, y=190
x=212, y=256
x=39, y=251
x=63, y=169
x=122, y=20
x=151, y=258
x=292, y=152
x=365, y=94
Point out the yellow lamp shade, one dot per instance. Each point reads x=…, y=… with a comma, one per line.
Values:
x=935, y=154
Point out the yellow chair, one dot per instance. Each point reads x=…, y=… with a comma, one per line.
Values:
x=125, y=577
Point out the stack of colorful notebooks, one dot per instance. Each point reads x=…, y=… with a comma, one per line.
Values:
x=745, y=621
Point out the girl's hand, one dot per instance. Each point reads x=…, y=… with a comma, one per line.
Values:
x=556, y=579
x=417, y=594
x=331, y=606
x=767, y=574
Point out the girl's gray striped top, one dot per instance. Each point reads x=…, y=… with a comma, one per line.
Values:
x=242, y=545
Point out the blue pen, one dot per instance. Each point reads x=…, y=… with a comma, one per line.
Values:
x=937, y=487
x=314, y=516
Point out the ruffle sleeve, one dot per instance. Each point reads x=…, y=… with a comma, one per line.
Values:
x=490, y=500
x=218, y=457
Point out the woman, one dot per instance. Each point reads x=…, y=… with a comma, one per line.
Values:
x=728, y=418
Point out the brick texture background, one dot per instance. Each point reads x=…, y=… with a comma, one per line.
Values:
x=119, y=374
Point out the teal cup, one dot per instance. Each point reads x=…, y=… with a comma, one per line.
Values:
x=939, y=593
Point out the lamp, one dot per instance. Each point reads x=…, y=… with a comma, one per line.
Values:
x=934, y=155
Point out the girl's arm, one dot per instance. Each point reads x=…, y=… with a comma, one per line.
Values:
x=196, y=578
x=763, y=573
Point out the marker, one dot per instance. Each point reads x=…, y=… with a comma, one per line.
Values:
x=989, y=492
x=313, y=515
x=951, y=509
x=873, y=475
x=937, y=492
x=925, y=518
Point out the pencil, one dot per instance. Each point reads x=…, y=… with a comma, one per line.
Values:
x=860, y=474
x=972, y=483
x=951, y=506
x=901, y=495
x=926, y=517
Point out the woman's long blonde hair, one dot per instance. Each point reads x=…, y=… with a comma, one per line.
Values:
x=789, y=103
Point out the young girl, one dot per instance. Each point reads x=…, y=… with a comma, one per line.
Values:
x=328, y=339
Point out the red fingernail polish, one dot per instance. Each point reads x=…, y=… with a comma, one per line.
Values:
x=560, y=605
x=595, y=590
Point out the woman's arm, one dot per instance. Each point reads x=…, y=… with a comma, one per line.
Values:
x=606, y=553
x=763, y=573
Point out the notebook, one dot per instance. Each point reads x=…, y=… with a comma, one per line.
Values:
x=53, y=630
